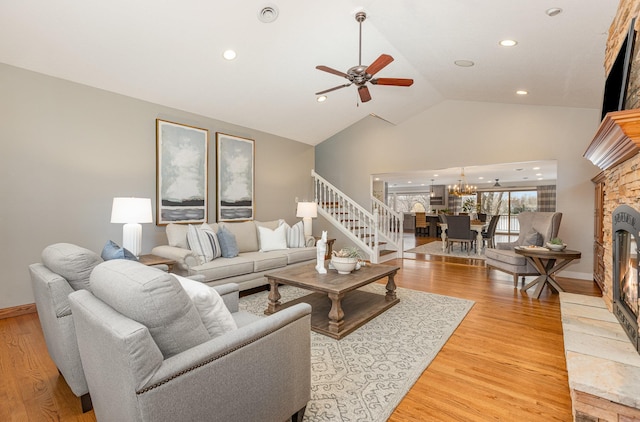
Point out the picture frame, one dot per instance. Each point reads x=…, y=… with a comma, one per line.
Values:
x=235, y=178
x=181, y=173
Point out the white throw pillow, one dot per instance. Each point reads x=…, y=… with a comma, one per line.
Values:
x=203, y=241
x=214, y=314
x=295, y=235
x=273, y=240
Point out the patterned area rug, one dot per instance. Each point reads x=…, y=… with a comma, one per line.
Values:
x=365, y=375
x=435, y=248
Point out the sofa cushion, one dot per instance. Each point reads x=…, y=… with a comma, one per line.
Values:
x=228, y=243
x=272, y=240
x=72, y=262
x=214, y=314
x=203, y=241
x=153, y=298
x=177, y=235
x=295, y=235
x=295, y=255
x=263, y=261
x=111, y=250
x=246, y=235
x=224, y=267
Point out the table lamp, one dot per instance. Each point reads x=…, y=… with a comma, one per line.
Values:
x=307, y=210
x=131, y=212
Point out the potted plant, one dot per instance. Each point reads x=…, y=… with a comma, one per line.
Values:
x=345, y=260
x=556, y=244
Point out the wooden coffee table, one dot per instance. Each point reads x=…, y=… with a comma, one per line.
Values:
x=338, y=307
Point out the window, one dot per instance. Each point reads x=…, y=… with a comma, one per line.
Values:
x=508, y=204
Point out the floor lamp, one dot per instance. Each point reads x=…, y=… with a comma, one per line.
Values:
x=131, y=212
x=307, y=211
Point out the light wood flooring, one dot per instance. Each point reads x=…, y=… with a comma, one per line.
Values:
x=505, y=362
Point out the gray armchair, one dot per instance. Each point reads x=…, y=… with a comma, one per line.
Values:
x=64, y=268
x=260, y=371
x=536, y=228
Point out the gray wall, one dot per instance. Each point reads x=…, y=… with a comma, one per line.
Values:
x=457, y=134
x=68, y=149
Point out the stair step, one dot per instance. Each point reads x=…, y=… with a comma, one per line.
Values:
x=387, y=252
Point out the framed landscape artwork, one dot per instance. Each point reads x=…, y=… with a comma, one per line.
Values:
x=181, y=166
x=235, y=178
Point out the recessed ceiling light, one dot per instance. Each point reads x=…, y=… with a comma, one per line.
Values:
x=409, y=182
x=554, y=11
x=268, y=13
x=229, y=54
x=322, y=99
x=481, y=178
x=536, y=168
x=435, y=175
x=508, y=43
x=464, y=63
x=538, y=174
x=522, y=92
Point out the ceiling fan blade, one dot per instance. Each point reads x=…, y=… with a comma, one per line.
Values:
x=332, y=89
x=364, y=94
x=379, y=64
x=330, y=70
x=392, y=81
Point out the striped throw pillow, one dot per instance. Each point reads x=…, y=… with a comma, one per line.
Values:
x=295, y=236
x=203, y=242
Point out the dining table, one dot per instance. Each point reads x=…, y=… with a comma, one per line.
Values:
x=476, y=225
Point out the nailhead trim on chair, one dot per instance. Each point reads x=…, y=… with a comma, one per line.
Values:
x=206, y=362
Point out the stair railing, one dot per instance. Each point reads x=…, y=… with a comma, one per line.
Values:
x=391, y=224
x=364, y=228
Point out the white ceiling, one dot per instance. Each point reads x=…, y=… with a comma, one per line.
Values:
x=170, y=53
x=529, y=173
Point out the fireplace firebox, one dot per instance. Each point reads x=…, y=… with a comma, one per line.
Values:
x=626, y=242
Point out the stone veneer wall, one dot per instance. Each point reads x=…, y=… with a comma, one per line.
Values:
x=617, y=33
x=622, y=186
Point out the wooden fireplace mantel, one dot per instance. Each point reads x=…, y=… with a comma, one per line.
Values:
x=617, y=139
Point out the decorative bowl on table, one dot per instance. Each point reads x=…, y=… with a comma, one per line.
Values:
x=344, y=265
x=556, y=247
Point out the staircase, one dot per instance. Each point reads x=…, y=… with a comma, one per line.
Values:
x=377, y=233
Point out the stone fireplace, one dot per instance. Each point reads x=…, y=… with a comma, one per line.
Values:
x=626, y=235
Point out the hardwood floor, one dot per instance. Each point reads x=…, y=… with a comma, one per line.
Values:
x=505, y=362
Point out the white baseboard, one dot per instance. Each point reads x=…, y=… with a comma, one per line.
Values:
x=577, y=275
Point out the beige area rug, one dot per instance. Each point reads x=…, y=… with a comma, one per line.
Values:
x=435, y=248
x=365, y=375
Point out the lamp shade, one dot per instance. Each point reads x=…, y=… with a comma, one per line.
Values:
x=307, y=209
x=131, y=210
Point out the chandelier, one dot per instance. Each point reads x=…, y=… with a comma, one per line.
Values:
x=462, y=188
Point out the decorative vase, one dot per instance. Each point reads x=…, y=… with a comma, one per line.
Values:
x=344, y=265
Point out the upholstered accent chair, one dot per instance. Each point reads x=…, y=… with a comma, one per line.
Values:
x=536, y=228
x=148, y=357
x=65, y=267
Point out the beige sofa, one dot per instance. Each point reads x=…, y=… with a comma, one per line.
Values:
x=247, y=269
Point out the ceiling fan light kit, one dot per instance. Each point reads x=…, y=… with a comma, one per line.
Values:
x=360, y=74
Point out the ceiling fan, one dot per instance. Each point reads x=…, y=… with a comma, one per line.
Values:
x=360, y=74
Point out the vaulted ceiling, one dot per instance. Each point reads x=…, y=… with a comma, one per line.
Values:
x=170, y=53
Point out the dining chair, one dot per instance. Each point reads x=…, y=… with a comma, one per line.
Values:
x=421, y=224
x=488, y=236
x=459, y=230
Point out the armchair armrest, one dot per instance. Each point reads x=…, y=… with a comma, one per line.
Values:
x=185, y=258
x=230, y=294
x=237, y=376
